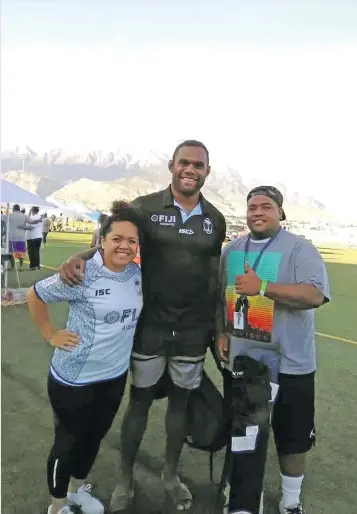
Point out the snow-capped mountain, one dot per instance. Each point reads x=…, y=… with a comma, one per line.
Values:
x=95, y=178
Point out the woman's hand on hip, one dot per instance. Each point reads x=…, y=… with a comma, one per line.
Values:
x=64, y=340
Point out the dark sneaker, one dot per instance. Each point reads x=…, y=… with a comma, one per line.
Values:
x=293, y=509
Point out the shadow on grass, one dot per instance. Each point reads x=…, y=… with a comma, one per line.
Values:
x=325, y=252
x=329, y=255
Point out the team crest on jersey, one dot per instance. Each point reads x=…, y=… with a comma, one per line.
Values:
x=137, y=285
x=112, y=317
x=207, y=226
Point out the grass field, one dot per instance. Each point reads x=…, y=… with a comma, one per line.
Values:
x=330, y=485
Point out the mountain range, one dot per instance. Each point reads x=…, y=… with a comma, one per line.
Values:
x=94, y=179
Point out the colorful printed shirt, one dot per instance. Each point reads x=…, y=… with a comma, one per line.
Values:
x=282, y=336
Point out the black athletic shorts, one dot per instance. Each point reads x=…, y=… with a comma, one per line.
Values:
x=164, y=342
x=293, y=419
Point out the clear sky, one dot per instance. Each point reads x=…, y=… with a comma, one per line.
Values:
x=269, y=85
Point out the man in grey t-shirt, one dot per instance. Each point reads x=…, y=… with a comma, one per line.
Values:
x=272, y=281
x=18, y=224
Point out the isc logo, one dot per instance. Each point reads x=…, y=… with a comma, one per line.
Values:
x=102, y=292
x=186, y=231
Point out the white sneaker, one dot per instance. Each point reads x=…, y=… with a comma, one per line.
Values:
x=293, y=509
x=65, y=510
x=84, y=499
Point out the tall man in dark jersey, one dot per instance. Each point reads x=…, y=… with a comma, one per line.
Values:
x=180, y=252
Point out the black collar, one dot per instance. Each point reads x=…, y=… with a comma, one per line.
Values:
x=168, y=200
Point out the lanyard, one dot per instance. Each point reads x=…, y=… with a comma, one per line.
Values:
x=243, y=298
x=258, y=259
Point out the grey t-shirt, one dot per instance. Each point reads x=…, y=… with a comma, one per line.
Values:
x=281, y=336
x=17, y=222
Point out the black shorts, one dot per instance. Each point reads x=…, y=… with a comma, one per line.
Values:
x=293, y=419
x=164, y=342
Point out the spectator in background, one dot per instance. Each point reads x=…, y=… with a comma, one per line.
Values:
x=3, y=228
x=34, y=239
x=18, y=224
x=45, y=228
x=96, y=233
x=60, y=223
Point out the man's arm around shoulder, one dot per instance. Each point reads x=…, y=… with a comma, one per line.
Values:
x=72, y=270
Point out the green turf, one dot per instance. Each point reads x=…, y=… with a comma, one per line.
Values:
x=330, y=485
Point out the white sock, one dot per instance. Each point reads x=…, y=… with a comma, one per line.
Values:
x=291, y=489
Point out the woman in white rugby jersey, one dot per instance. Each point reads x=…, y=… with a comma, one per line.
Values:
x=90, y=363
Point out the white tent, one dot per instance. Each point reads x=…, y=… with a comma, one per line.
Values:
x=11, y=193
x=72, y=208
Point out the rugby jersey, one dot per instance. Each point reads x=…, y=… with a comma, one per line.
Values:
x=103, y=311
x=180, y=261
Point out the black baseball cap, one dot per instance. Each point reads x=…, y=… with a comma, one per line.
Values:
x=271, y=192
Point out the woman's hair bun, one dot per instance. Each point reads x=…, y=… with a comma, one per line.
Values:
x=121, y=210
x=118, y=206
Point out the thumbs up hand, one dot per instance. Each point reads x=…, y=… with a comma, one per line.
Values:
x=249, y=283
